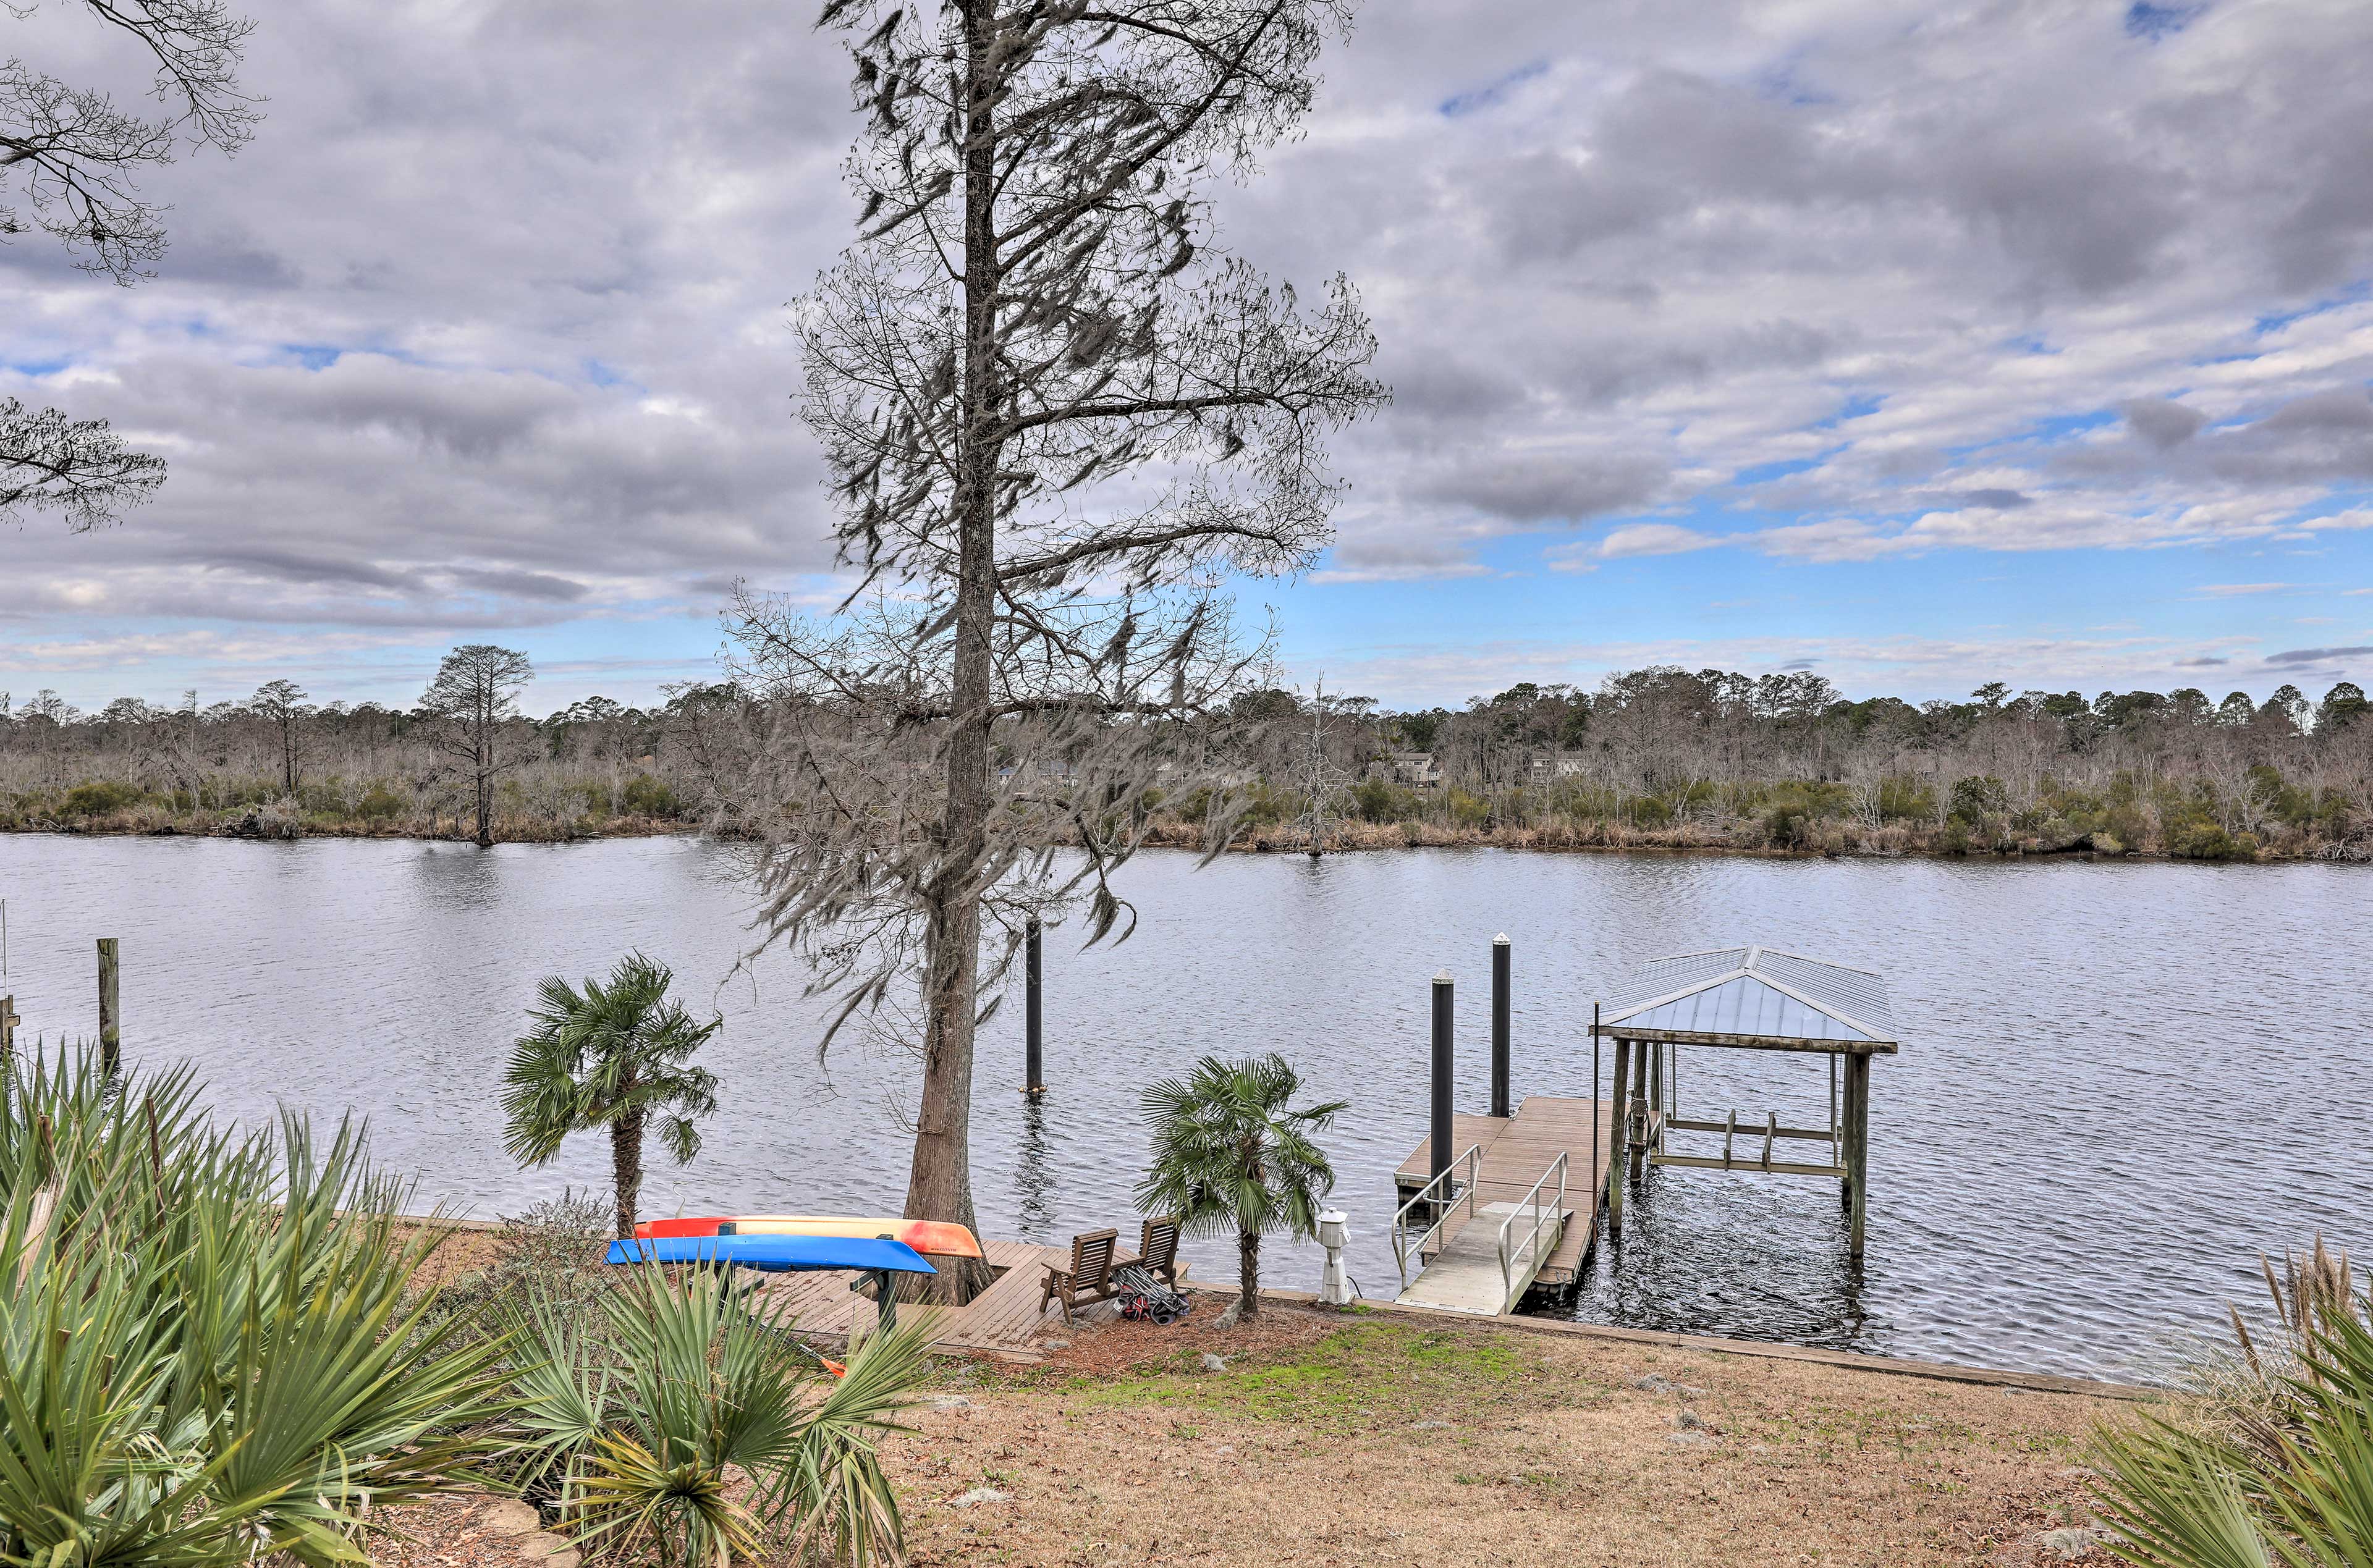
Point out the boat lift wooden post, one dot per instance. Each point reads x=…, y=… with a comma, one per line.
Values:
x=1600, y=1196
x=1619, y=1134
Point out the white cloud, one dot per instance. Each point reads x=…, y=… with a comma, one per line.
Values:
x=2014, y=279
x=1653, y=538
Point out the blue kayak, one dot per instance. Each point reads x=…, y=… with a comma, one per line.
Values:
x=775, y=1254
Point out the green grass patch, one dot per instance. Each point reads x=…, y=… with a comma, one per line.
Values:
x=1372, y=1373
x=1834, y=1430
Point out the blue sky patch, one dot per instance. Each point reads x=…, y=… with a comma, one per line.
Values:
x=2158, y=22
x=1763, y=473
x=1492, y=93
x=1859, y=405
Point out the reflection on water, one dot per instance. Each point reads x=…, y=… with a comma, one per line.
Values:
x=1686, y=1262
x=2119, y=1082
x=1033, y=1208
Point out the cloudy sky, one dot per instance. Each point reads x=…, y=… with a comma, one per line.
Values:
x=1921, y=345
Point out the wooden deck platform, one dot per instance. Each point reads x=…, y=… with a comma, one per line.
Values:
x=1002, y=1320
x=1515, y=1151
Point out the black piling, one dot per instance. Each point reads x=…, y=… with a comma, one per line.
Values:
x=1500, y=1026
x=1440, y=1139
x=1034, y=1018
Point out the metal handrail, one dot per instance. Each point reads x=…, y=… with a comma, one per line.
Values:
x=1471, y=1160
x=1532, y=1201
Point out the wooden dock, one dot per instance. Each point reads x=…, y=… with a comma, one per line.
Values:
x=1002, y=1320
x=1462, y=1269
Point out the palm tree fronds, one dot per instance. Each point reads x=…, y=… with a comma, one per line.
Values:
x=208, y=1349
x=2280, y=1472
x=1232, y=1154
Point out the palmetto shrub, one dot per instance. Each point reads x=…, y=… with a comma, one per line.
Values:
x=207, y=1351
x=2274, y=1467
x=676, y=1425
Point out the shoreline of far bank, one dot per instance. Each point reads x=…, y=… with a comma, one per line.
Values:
x=1346, y=838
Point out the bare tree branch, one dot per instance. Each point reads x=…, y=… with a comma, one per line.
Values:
x=76, y=158
x=78, y=468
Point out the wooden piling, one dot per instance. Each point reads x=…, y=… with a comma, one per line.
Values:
x=1857, y=1148
x=1622, y=1133
x=1639, y=1098
x=111, y=1025
x=1033, y=1026
x=1500, y=951
x=1441, y=1127
x=1598, y=1192
x=1655, y=1141
x=9, y=1022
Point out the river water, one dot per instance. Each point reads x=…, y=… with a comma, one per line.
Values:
x=2119, y=1082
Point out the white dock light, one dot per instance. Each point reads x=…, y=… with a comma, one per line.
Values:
x=1335, y=1284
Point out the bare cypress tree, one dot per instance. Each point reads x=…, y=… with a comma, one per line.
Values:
x=75, y=157
x=1055, y=413
x=283, y=705
x=472, y=707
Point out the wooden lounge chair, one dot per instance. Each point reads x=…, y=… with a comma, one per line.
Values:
x=1157, y=1249
x=1088, y=1280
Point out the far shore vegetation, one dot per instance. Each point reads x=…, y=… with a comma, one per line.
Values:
x=1655, y=759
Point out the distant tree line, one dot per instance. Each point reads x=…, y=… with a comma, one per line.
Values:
x=463, y=761
x=1661, y=756
x=1711, y=757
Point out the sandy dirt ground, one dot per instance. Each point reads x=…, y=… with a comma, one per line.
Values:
x=1329, y=1440
x=1316, y=1439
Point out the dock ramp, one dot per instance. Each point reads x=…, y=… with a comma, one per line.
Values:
x=1516, y=1207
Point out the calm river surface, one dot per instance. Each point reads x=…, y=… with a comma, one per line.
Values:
x=2119, y=1082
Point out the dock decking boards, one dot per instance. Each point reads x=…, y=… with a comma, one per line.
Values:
x=1515, y=1151
x=1004, y=1317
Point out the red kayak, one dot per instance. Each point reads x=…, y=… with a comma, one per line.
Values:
x=936, y=1237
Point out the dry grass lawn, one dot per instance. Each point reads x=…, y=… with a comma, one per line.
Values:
x=1368, y=1439
x=1371, y=1440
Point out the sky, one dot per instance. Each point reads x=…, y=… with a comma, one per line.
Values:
x=1918, y=345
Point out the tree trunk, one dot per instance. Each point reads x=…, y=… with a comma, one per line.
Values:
x=485, y=803
x=1247, y=1274
x=939, y=1183
x=626, y=1167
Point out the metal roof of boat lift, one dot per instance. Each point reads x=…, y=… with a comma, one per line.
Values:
x=1750, y=993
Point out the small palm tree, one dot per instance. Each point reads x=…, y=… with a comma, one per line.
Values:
x=1231, y=1152
x=610, y=1055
